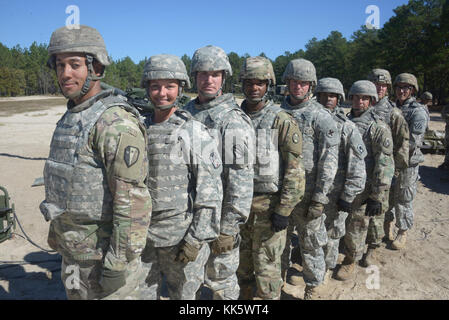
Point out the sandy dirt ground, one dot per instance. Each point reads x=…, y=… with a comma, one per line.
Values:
x=27, y=272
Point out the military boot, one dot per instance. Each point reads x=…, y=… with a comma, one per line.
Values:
x=295, y=277
x=399, y=242
x=346, y=270
x=327, y=276
x=388, y=228
x=368, y=258
x=310, y=293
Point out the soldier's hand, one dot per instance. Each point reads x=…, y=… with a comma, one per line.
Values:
x=315, y=210
x=343, y=205
x=187, y=253
x=373, y=208
x=222, y=244
x=278, y=222
x=112, y=280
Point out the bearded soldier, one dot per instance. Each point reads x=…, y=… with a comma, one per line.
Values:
x=234, y=135
x=392, y=116
x=95, y=194
x=184, y=183
x=369, y=206
x=351, y=174
x=320, y=150
x=279, y=181
x=417, y=117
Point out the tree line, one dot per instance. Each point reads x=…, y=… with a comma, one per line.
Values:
x=415, y=40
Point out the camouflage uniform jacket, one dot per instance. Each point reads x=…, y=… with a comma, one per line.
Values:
x=392, y=116
x=234, y=133
x=320, y=147
x=379, y=162
x=108, y=150
x=351, y=174
x=184, y=181
x=417, y=118
x=288, y=159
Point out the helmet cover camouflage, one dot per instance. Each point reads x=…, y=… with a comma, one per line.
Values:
x=380, y=76
x=165, y=66
x=330, y=85
x=407, y=78
x=85, y=40
x=210, y=58
x=257, y=68
x=363, y=88
x=300, y=69
x=426, y=96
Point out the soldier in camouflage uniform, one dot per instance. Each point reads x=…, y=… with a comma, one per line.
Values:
x=234, y=134
x=184, y=183
x=369, y=206
x=392, y=116
x=445, y=116
x=351, y=174
x=417, y=117
x=95, y=194
x=426, y=100
x=279, y=182
x=320, y=151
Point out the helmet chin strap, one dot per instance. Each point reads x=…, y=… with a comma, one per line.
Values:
x=91, y=76
x=264, y=98
x=175, y=104
x=219, y=91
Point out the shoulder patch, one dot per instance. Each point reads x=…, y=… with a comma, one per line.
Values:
x=131, y=155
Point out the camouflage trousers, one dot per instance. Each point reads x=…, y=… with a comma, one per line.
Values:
x=402, y=193
x=81, y=280
x=183, y=279
x=221, y=276
x=312, y=238
x=336, y=228
x=361, y=229
x=260, y=256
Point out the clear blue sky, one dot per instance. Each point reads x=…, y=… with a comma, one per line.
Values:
x=140, y=29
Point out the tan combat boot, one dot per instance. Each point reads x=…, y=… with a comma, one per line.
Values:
x=369, y=257
x=346, y=270
x=327, y=276
x=296, y=278
x=399, y=242
x=388, y=228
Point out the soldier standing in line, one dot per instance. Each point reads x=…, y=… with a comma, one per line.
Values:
x=392, y=116
x=372, y=203
x=95, y=193
x=235, y=136
x=320, y=150
x=351, y=174
x=279, y=182
x=445, y=116
x=184, y=182
x=417, y=117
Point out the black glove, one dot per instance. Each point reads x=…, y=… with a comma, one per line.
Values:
x=112, y=280
x=343, y=205
x=187, y=253
x=373, y=208
x=315, y=210
x=278, y=222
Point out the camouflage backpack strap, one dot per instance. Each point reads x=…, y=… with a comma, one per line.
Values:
x=114, y=100
x=216, y=115
x=269, y=116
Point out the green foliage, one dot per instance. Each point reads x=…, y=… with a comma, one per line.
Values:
x=415, y=40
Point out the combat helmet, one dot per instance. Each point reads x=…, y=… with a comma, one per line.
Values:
x=211, y=58
x=407, y=78
x=426, y=96
x=330, y=85
x=86, y=40
x=300, y=69
x=364, y=88
x=258, y=68
x=165, y=66
x=380, y=76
